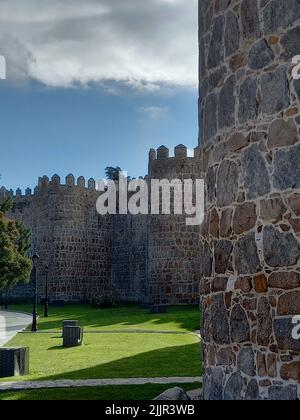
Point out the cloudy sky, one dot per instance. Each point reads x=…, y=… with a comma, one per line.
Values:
x=110, y=78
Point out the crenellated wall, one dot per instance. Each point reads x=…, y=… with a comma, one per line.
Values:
x=250, y=259
x=142, y=258
x=69, y=235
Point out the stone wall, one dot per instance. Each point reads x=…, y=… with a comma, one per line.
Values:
x=173, y=252
x=142, y=258
x=250, y=118
x=69, y=236
x=129, y=257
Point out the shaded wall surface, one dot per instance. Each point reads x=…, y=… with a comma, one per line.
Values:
x=249, y=113
x=129, y=256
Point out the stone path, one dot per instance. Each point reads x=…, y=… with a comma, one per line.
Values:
x=30, y=385
x=11, y=323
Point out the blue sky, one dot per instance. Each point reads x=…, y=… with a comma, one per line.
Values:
x=94, y=84
x=81, y=131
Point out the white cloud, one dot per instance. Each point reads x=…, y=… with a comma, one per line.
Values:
x=144, y=43
x=154, y=113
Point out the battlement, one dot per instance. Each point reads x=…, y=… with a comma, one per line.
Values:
x=163, y=153
x=44, y=183
x=183, y=163
x=161, y=164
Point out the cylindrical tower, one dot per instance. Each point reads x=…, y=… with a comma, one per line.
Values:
x=250, y=266
x=173, y=246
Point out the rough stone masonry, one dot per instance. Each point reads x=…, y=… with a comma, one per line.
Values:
x=250, y=119
x=141, y=258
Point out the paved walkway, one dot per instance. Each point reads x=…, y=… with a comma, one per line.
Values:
x=11, y=323
x=22, y=386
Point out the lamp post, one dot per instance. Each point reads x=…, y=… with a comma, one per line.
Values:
x=35, y=259
x=6, y=298
x=46, y=313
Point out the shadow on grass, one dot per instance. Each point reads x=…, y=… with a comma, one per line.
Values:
x=185, y=317
x=60, y=348
x=181, y=361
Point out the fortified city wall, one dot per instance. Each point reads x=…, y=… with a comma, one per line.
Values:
x=140, y=258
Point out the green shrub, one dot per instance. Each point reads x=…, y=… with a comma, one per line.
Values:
x=108, y=299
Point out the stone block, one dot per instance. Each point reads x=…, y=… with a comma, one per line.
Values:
x=250, y=19
x=14, y=362
x=290, y=43
x=283, y=328
x=213, y=385
x=233, y=388
x=287, y=168
x=275, y=91
x=72, y=336
x=248, y=104
x=227, y=183
x=70, y=323
x=280, y=249
x=217, y=41
x=289, y=303
x=272, y=209
x=219, y=321
x=244, y=218
x=239, y=325
x=265, y=324
x=255, y=173
x=282, y=133
x=291, y=372
x=245, y=254
x=280, y=14
x=283, y=393
x=223, y=251
x=232, y=34
x=246, y=361
x=252, y=392
x=226, y=106
x=174, y=394
x=260, y=55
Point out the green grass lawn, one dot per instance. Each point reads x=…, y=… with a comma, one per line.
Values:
x=104, y=356
x=131, y=317
x=112, y=393
x=114, y=355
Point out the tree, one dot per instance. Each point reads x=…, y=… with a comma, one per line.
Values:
x=113, y=174
x=15, y=242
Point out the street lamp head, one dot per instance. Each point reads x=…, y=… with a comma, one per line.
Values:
x=35, y=257
x=47, y=268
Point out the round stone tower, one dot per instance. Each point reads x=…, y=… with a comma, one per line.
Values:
x=173, y=246
x=250, y=263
